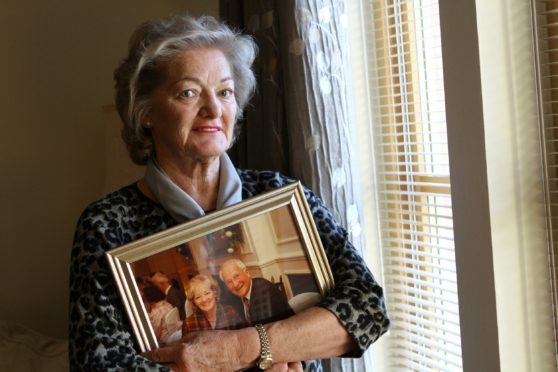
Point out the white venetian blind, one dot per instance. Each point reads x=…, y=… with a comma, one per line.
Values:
x=412, y=176
x=546, y=44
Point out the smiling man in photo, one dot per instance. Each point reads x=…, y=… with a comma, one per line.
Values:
x=260, y=301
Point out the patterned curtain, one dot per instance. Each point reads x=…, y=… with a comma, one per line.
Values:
x=299, y=122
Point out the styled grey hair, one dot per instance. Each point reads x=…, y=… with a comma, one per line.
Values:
x=160, y=40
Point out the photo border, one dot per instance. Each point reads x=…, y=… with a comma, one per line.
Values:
x=121, y=258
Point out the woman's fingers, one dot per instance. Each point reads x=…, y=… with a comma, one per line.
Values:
x=162, y=355
x=279, y=367
x=294, y=367
x=287, y=367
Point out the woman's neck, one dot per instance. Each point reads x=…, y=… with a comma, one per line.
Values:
x=211, y=316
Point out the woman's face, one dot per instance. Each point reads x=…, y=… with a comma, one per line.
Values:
x=193, y=109
x=205, y=298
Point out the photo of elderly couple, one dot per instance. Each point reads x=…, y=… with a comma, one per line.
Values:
x=223, y=281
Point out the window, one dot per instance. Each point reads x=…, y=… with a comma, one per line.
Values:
x=494, y=221
x=411, y=169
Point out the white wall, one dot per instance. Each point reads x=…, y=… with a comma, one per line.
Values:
x=56, y=75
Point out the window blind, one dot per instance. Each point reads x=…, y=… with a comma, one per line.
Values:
x=413, y=184
x=545, y=26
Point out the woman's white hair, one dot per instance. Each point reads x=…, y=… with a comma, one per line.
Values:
x=160, y=40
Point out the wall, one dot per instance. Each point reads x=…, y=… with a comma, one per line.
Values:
x=56, y=73
x=274, y=257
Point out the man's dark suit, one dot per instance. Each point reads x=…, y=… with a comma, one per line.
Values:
x=267, y=303
x=177, y=298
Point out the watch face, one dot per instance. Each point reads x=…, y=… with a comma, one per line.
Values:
x=265, y=363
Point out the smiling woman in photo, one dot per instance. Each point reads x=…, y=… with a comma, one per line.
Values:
x=209, y=313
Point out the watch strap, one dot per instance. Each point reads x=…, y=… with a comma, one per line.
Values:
x=266, y=360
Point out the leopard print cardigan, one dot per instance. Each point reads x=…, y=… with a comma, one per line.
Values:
x=101, y=337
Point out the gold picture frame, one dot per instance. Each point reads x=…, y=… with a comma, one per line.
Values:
x=272, y=234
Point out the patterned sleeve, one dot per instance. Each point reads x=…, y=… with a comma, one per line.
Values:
x=357, y=299
x=100, y=335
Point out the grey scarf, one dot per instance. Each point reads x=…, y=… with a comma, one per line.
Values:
x=178, y=203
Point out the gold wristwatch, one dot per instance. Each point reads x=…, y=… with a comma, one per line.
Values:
x=266, y=361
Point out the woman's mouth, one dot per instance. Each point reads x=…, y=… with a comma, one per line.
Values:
x=207, y=129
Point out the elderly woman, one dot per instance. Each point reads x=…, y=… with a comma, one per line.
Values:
x=203, y=292
x=179, y=93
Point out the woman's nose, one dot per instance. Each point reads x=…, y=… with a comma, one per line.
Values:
x=211, y=107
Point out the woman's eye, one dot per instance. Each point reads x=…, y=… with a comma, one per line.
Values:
x=187, y=93
x=226, y=93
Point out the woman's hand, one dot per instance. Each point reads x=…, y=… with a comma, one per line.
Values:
x=291, y=338
x=216, y=351
x=202, y=351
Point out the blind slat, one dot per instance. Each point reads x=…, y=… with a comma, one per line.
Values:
x=446, y=342
x=417, y=243
x=415, y=263
x=402, y=310
x=420, y=254
x=449, y=327
x=428, y=294
x=408, y=360
x=419, y=273
x=415, y=224
x=426, y=351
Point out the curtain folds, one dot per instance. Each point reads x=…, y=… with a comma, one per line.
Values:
x=298, y=122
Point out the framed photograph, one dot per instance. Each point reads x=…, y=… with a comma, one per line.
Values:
x=257, y=261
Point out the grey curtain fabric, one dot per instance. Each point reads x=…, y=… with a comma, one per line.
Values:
x=299, y=122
